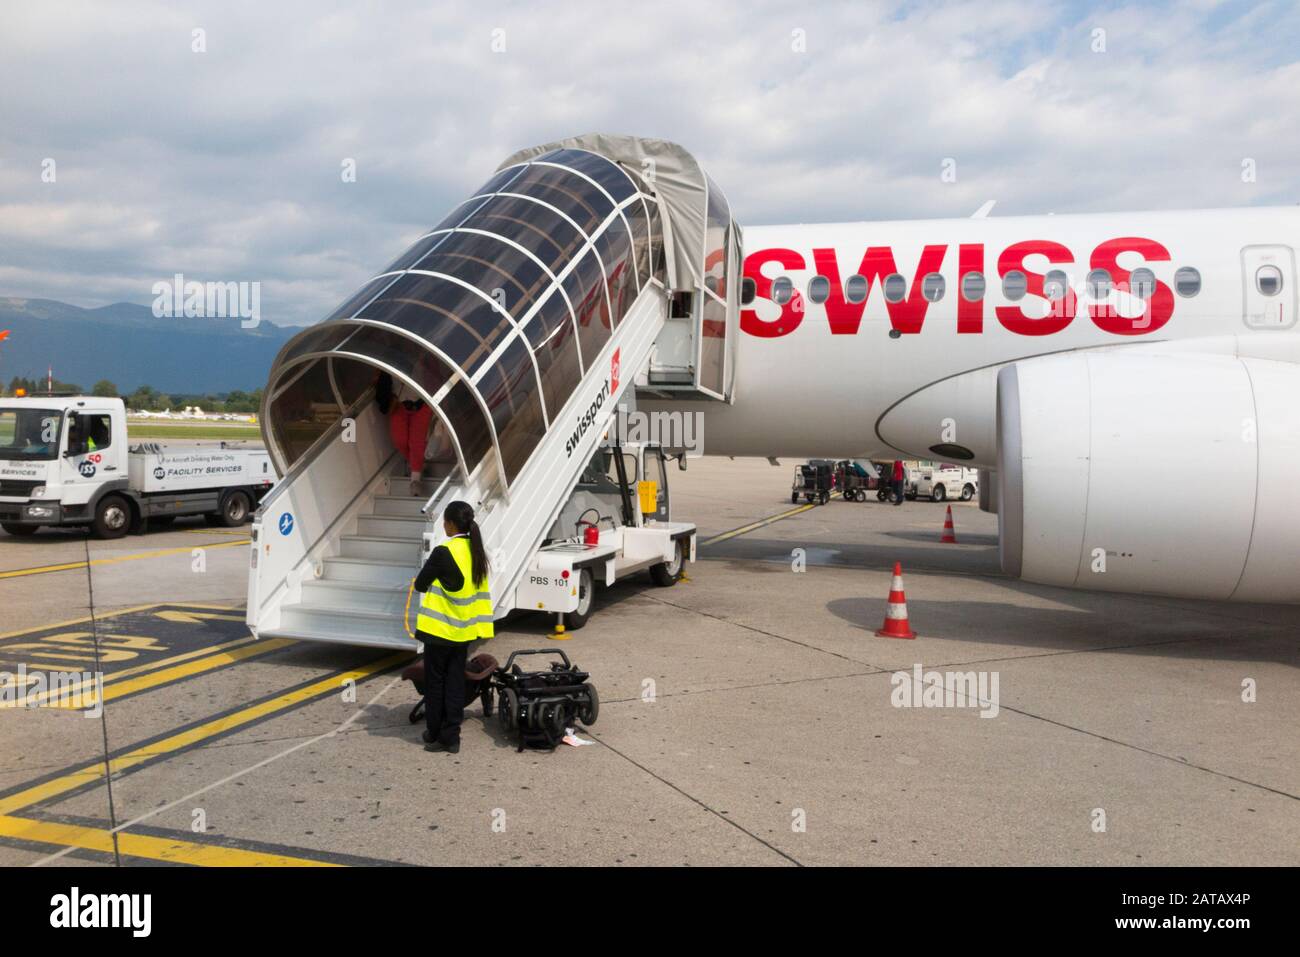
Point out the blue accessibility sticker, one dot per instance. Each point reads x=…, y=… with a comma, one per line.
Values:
x=286, y=523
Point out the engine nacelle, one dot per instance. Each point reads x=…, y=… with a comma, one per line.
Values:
x=1156, y=474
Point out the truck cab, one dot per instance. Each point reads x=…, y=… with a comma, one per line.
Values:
x=59, y=455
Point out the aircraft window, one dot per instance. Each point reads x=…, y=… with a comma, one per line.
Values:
x=1055, y=284
x=895, y=287
x=1014, y=285
x=1268, y=280
x=1142, y=283
x=748, y=289
x=1187, y=281
x=972, y=286
x=855, y=289
x=819, y=289
x=1099, y=284
x=932, y=287
x=782, y=290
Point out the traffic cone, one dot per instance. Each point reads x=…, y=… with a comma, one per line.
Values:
x=896, y=625
x=949, y=534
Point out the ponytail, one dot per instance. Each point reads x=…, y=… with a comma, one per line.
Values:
x=461, y=517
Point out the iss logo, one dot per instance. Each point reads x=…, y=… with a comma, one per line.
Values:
x=613, y=371
x=286, y=523
x=87, y=469
x=160, y=473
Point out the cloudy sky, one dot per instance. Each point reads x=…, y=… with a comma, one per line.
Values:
x=226, y=164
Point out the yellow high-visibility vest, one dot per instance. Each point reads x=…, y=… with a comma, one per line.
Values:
x=463, y=615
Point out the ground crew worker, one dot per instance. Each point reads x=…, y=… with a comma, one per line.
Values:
x=900, y=475
x=455, y=612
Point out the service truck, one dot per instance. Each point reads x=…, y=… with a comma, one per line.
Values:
x=64, y=460
x=942, y=481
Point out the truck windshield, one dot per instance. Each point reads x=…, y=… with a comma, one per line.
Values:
x=29, y=434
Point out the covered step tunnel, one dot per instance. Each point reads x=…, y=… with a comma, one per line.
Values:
x=493, y=317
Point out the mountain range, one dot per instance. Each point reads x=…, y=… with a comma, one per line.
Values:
x=126, y=344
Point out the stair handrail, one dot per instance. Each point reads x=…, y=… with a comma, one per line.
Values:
x=424, y=510
x=313, y=452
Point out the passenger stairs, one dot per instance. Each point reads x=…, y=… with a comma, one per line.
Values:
x=338, y=541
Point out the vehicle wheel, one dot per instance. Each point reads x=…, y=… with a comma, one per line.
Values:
x=556, y=720
x=590, y=709
x=967, y=493
x=19, y=531
x=486, y=696
x=939, y=494
x=826, y=497
x=112, y=517
x=234, y=509
x=880, y=495
x=573, y=620
x=862, y=495
x=508, y=713
x=794, y=498
x=666, y=574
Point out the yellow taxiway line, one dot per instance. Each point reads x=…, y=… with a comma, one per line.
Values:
x=759, y=524
x=166, y=849
x=155, y=553
x=192, y=736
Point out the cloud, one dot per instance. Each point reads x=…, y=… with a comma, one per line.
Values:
x=226, y=164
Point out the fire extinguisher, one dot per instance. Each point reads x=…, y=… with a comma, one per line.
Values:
x=590, y=530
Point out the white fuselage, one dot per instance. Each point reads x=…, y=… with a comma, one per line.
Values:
x=814, y=379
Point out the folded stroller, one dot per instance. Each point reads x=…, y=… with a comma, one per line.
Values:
x=477, y=672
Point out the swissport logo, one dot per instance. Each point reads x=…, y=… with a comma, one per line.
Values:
x=588, y=416
x=613, y=371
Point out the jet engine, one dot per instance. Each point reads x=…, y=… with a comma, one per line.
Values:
x=1156, y=474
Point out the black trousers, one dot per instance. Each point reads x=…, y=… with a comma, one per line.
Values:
x=444, y=687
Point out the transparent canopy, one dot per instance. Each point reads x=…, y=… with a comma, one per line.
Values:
x=493, y=316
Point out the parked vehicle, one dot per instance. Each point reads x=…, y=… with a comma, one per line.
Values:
x=64, y=460
x=942, y=482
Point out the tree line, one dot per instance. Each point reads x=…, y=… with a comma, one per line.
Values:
x=148, y=399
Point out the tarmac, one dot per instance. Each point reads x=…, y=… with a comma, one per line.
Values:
x=749, y=714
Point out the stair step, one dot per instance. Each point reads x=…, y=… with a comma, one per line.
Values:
x=403, y=550
x=373, y=571
x=392, y=526
x=398, y=505
x=379, y=631
x=385, y=599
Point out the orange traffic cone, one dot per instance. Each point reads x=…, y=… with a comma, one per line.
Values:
x=949, y=534
x=896, y=625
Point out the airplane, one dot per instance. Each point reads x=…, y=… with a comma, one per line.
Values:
x=1130, y=379
x=1125, y=382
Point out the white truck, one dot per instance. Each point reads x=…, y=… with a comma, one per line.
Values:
x=942, y=482
x=64, y=460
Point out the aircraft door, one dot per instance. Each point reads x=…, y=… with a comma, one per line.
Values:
x=1269, y=284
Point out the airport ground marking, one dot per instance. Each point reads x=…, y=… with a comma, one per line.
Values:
x=75, y=837
x=165, y=670
x=136, y=556
x=341, y=728
x=756, y=525
x=248, y=648
x=61, y=786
